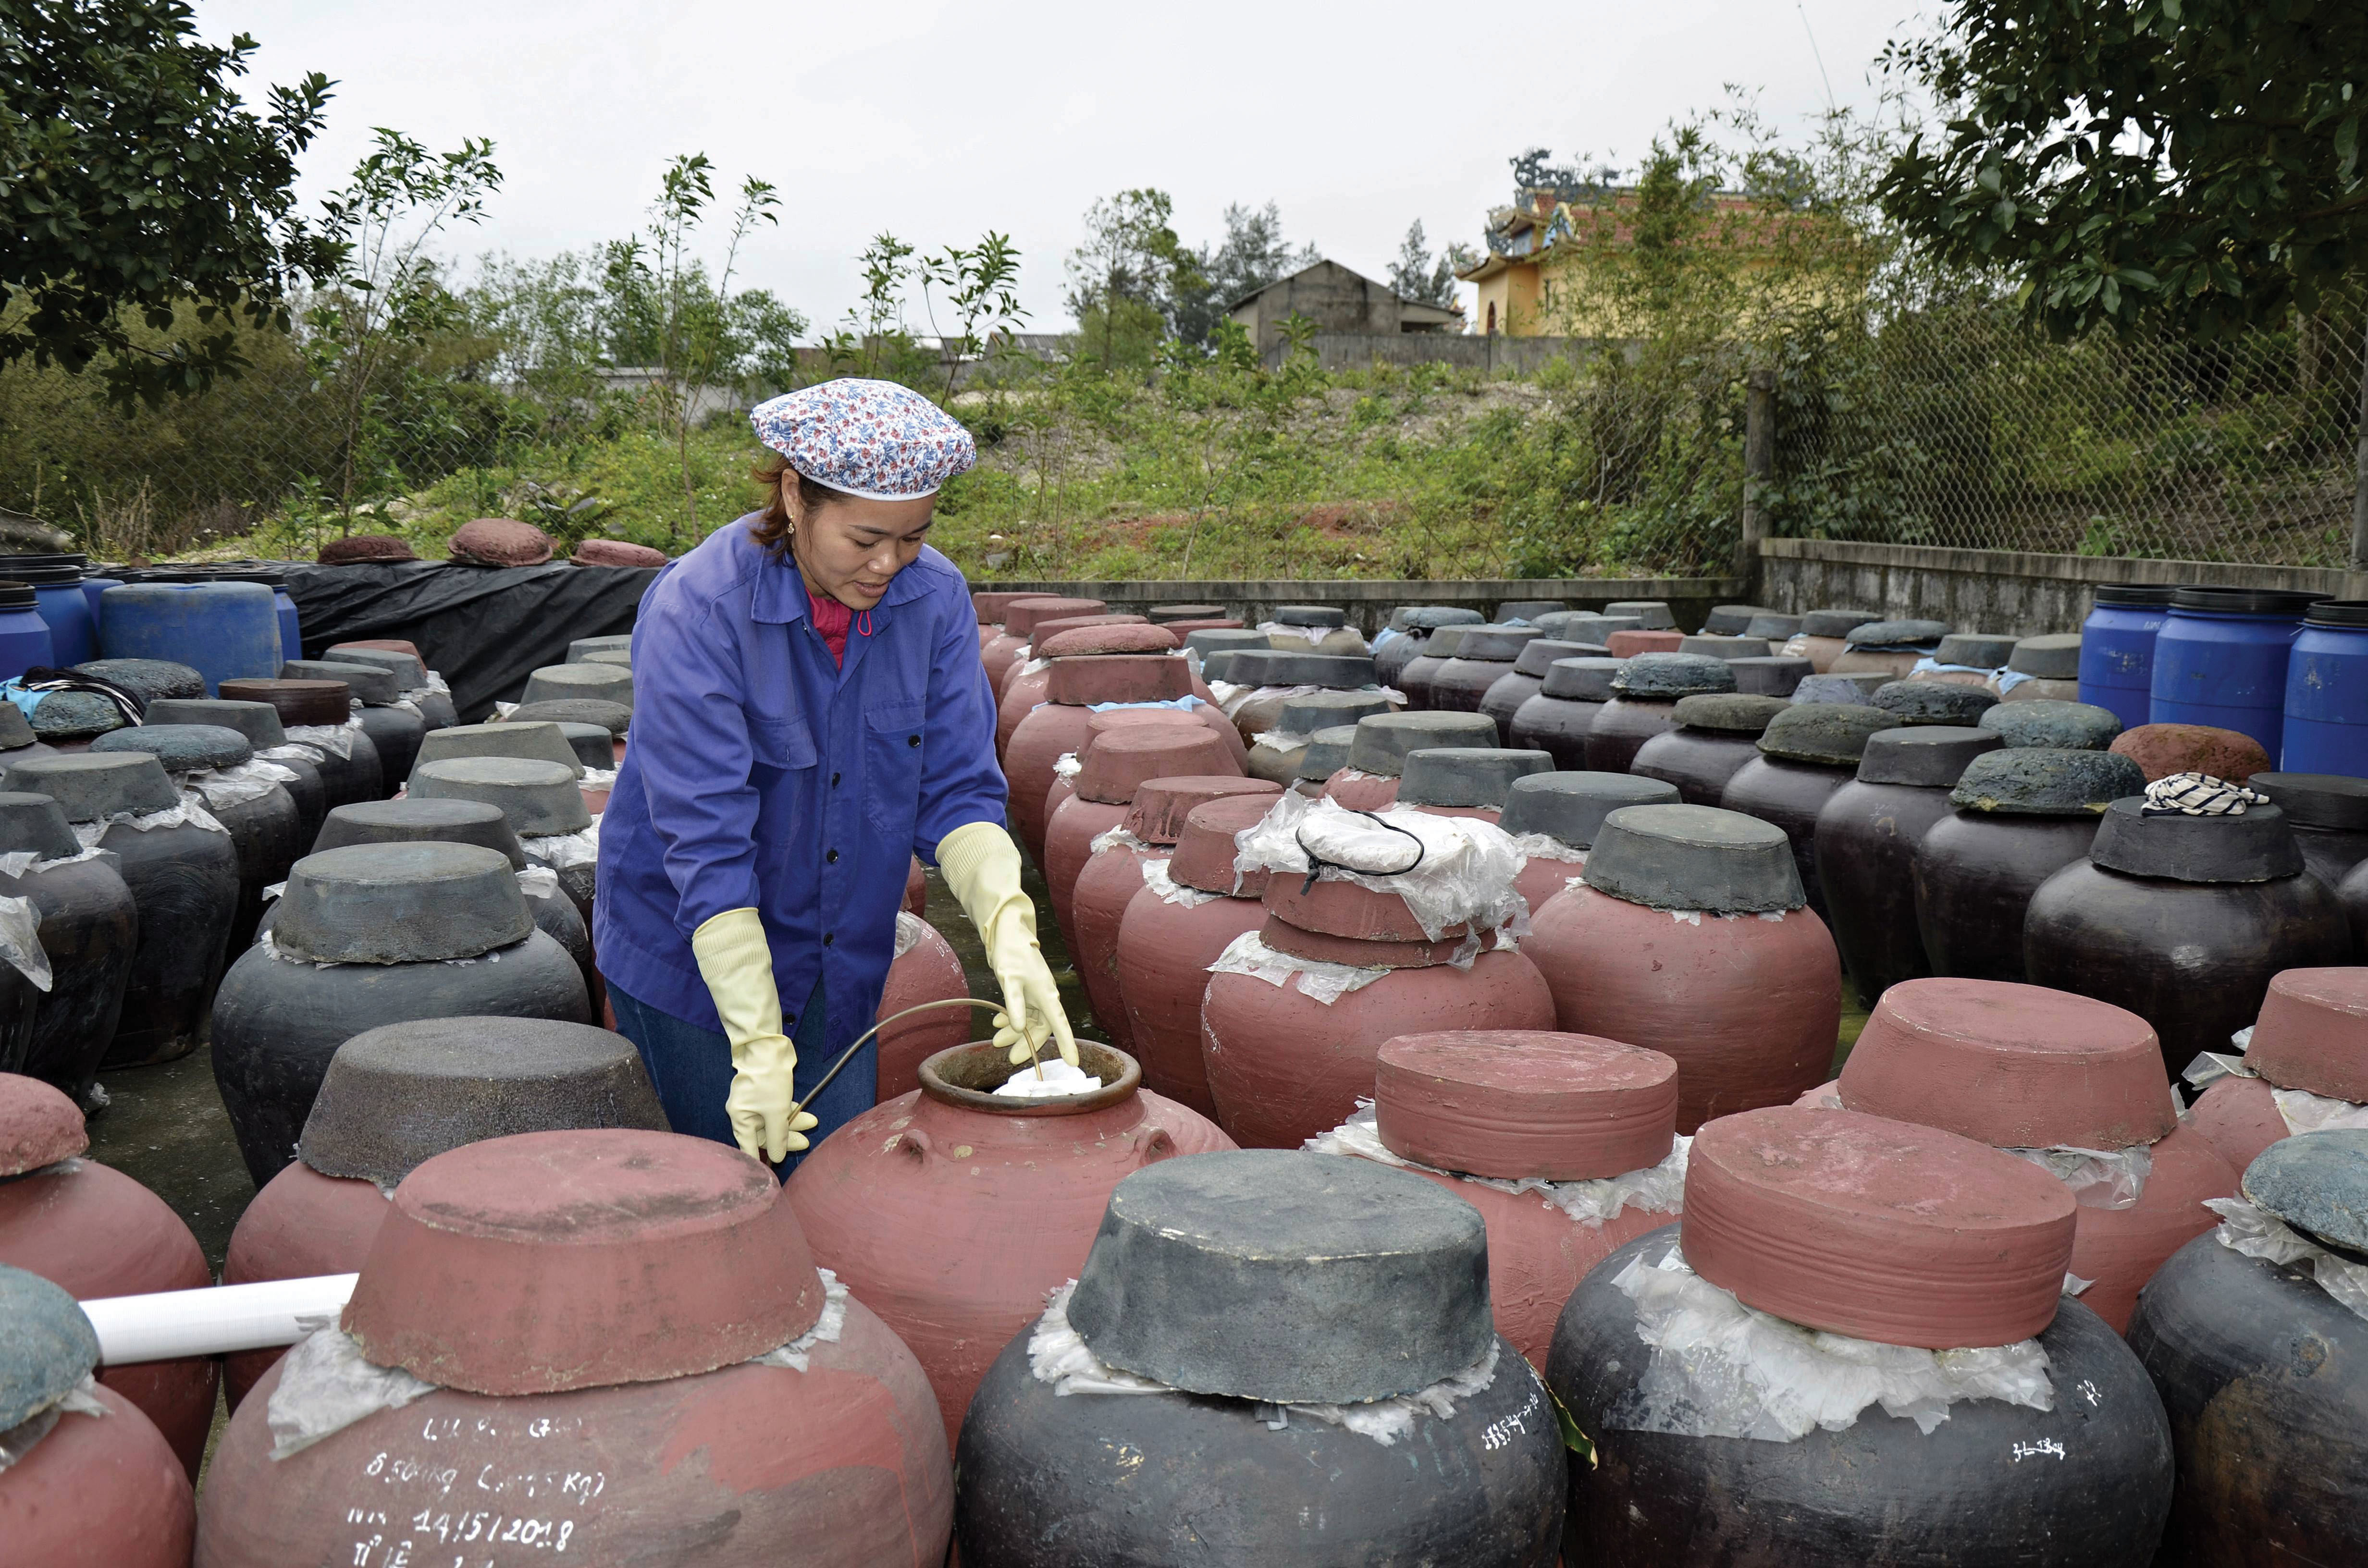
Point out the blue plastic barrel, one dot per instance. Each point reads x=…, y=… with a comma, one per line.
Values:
x=2220, y=659
x=223, y=631
x=24, y=635
x=2117, y=648
x=57, y=593
x=2327, y=692
x=92, y=587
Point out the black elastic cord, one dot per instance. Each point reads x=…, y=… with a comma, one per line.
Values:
x=127, y=701
x=1316, y=864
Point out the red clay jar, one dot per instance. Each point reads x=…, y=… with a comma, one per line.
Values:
x=2239, y=1117
x=916, y=888
x=1109, y=773
x=1876, y=1229
x=1691, y=936
x=1564, y=810
x=2312, y=1036
x=951, y=1210
x=1019, y=619
x=925, y=968
x=1628, y=644
x=1164, y=947
x=1058, y=725
x=387, y=645
x=1110, y=878
x=1022, y=688
x=2161, y=750
x=1065, y=784
x=98, y=1491
x=93, y=1231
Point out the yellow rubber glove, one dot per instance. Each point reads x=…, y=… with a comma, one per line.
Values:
x=737, y=964
x=982, y=867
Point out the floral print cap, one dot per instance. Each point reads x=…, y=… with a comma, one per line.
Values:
x=873, y=440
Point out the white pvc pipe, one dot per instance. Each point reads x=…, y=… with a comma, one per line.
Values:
x=170, y=1325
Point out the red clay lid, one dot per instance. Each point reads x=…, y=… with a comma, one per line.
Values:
x=1162, y=805
x=1118, y=764
x=389, y=644
x=1054, y=625
x=1876, y=1229
x=39, y=1126
x=1628, y=644
x=1100, y=724
x=990, y=604
x=2161, y=750
x=2016, y=1066
x=296, y=701
x=1133, y=635
x=1359, y=953
x=1516, y=1103
x=1346, y=909
x=577, y=1259
x=1118, y=677
x=1020, y=616
x=1204, y=850
x=2313, y=1032
x=615, y=552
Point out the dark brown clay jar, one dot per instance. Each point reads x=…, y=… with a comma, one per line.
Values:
x=1414, y=677
x=1482, y=655
x=1165, y=946
x=90, y=930
x=354, y=774
x=1620, y=728
x=1789, y=794
x=1716, y=734
x=2328, y=814
x=1528, y=678
x=1557, y=719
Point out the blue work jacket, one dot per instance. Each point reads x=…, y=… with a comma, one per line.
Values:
x=762, y=775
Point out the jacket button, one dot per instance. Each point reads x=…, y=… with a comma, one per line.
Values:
x=834, y=780
x=914, y=741
x=831, y=855
x=826, y=939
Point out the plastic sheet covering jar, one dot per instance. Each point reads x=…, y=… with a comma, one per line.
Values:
x=2327, y=692
x=2220, y=659
x=223, y=631
x=25, y=640
x=625, y=1387
x=95, y=1231
x=951, y=1209
x=2117, y=648
x=87, y=931
x=925, y=968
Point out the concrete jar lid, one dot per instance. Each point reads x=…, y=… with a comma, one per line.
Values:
x=39, y=1126
x=48, y=1347
x=1728, y=712
x=1830, y=734
x=1521, y=1103
x=1876, y=1229
x=35, y=823
x=1447, y=641
x=670, y=1256
x=1119, y=763
x=1212, y=642
x=1275, y=667
x=1925, y=634
x=1205, y=1277
x=1847, y=689
x=2316, y=1184
x=372, y=683
x=1581, y=680
x=1158, y=614
x=1530, y=610
x=2314, y=800
x=1933, y=702
x=1778, y=674
x=1667, y=676
x=384, y=904
x=1539, y=653
x=1694, y=857
x=1929, y=756
x=2313, y=1032
x=539, y=798
x=623, y=642
x=1119, y=677
x=2077, y=726
x=1431, y=618
x=614, y=716
x=1571, y=806
x=1310, y=615
x=1727, y=646
x=416, y=821
x=409, y=674
x=1324, y=710
x=1204, y=850
x=1835, y=623
x=593, y=745
x=1728, y=620
x=540, y=740
x=16, y=729
x=402, y=1093
x=2256, y=847
x=2046, y=781
x=1654, y=614
x=1496, y=644
x=1981, y=650
x=95, y=784
x=1465, y=776
x=258, y=722
x=296, y=701
x=1586, y=626
x=1116, y=638
x=1774, y=626
x=607, y=683
x=2056, y=656
x=1163, y=805
x=182, y=748
x=151, y=678
x=2017, y=1066
x=1383, y=739
x=1327, y=752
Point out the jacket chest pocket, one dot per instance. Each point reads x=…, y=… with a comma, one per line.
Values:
x=894, y=742
x=781, y=745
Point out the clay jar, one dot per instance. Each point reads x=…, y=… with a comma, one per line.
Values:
x=1715, y=735
x=411, y=675
x=600, y=682
x=265, y=830
x=2053, y=664
x=1553, y=818
x=1322, y=628
x=1527, y=678
x=1482, y=655
x=92, y=1491
x=1113, y=875
x=2022, y=814
x=2328, y=814
x=1628, y=644
x=544, y=808
x=1806, y=754
x=368, y=936
x=318, y=714
x=1778, y=674
x=577, y=747
x=394, y=730
x=607, y=1332
x=2183, y=920
x=2312, y=1036
x=1285, y=1064
x=1970, y=659
x=951, y=1210
x=925, y=968
x=1887, y=647
x=1378, y=754
x=1414, y=623
x=16, y=742
x=95, y=1231
x=1823, y=635
x=2022, y=1067
x=1325, y=754
x=1417, y=674
x=1645, y=693
x=260, y=722
x=1466, y=781
x=1865, y=842
x=89, y=932
x=184, y=881
x=1272, y=677
x=2221, y=1333
x=1557, y=719
x=392, y=1098
x=2161, y=750
x=1692, y=936
x=1275, y=755
x=1065, y=779
x=1059, y=725
x=998, y=652
x=1025, y=686
x=1109, y=772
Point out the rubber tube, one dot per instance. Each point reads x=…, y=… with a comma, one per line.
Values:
x=170, y=1325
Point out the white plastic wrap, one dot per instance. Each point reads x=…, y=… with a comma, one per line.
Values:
x=291, y=752
x=272, y=949
x=1695, y=916
x=1325, y=982
x=2099, y=1178
x=2301, y=1110
x=2257, y=1233
x=1048, y=1081
x=339, y=738
x=249, y=780
x=535, y=881
x=1169, y=891
x=1224, y=691
x=1464, y=873
x=1115, y=838
x=797, y=1353
x=1059, y=1355
x=564, y=851
x=191, y=813
x=1546, y=847
x=910, y=928
x=16, y=862
x=23, y=1438
x=1281, y=740
x=1719, y=1369
x=598, y=778
x=1312, y=635
x=1656, y=1189
x=20, y=941
x=1067, y=766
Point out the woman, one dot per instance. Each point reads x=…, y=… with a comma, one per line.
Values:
x=809, y=712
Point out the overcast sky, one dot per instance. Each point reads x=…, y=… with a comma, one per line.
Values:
x=939, y=121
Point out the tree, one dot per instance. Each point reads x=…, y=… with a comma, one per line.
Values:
x=1121, y=278
x=982, y=287
x=132, y=177
x=1415, y=277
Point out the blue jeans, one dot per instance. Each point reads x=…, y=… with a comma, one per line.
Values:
x=692, y=1070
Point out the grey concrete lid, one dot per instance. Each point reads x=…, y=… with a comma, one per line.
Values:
x=1443, y=643
x=592, y=743
x=1933, y=702
x=1225, y=640
x=1465, y=776
x=1327, y=753
x=1694, y=857
x=46, y=1345
x=1726, y=647
x=538, y=798
x=1669, y=677
x=2256, y=847
x=1581, y=680
x=150, y=679
x=537, y=738
x=403, y=1093
x=2056, y=656
x=387, y=904
x=1218, y=665
x=1830, y=734
x=1429, y=618
x=15, y=729
x=258, y=722
x=1981, y=650
x=605, y=656
x=2317, y=1182
x=615, y=717
x=409, y=820
x=1932, y=757
x=182, y=748
x=2046, y=781
x=1383, y=739
x=1773, y=625
x=1850, y=689
x=1778, y=674
x=1310, y=615
x=1728, y=713
x=1324, y=710
x=1835, y=623
x=583, y=645
x=1586, y=625
x=609, y=683
x=2314, y=800
x=93, y=785
x=1539, y=653
x=1897, y=634
x=1271, y=666
x=409, y=674
x=34, y=823
x=373, y=685
x=76, y=716
x=1653, y=613
x=2082, y=726
x=1500, y=644
x=1530, y=610
x=1272, y=1274
x=1572, y=806
x=1728, y=620
x=1158, y=614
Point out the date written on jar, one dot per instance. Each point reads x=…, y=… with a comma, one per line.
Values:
x=435, y=1533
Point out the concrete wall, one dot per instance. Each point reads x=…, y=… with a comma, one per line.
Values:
x=1328, y=294
x=1369, y=604
x=1497, y=355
